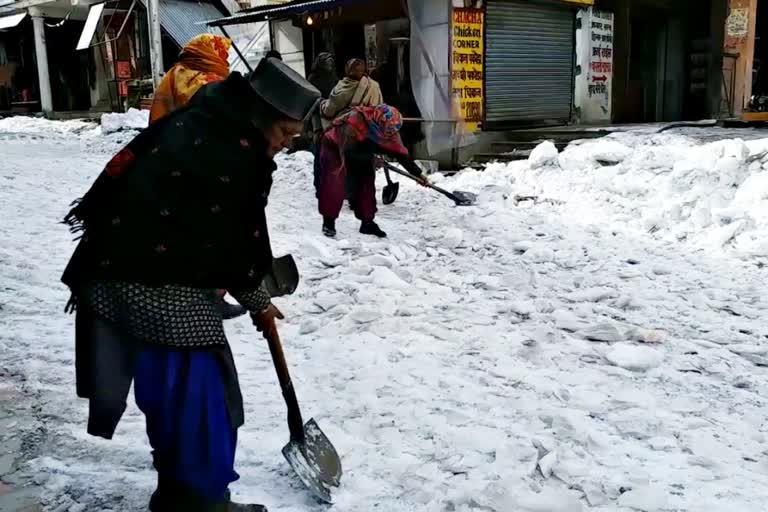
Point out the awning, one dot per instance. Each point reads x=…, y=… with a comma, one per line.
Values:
x=285, y=10
x=11, y=21
x=184, y=20
x=91, y=24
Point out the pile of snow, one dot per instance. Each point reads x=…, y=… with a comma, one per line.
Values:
x=24, y=125
x=132, y=120
x=673, y=188
x=543, y=354
x=542, y=155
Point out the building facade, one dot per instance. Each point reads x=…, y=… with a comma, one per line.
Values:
x=86, y=55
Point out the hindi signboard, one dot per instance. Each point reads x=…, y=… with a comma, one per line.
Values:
x=467, y=64
x=594, y=59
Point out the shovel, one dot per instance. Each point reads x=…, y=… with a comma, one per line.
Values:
x=389, y=194
x=309, y=452
x=457, y=196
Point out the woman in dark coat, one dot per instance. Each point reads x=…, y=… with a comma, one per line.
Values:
x=323, y=74
x=178, y=212
x=347, y=151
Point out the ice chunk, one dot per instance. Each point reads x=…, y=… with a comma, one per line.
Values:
x=453, y=237
x=595, y=294
x=634, y=357
x=309, y=326
x=645, y=335
x=601, y=332
x=644, y=499
x=610, y=151
x=545, y=154
x=132, y=120
x=547, y=463
x=364, y=316
x=386, y=278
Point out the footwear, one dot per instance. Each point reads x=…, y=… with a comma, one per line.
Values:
x=371, y=228
x=329, y=227
x=239, y=507
x=173, y=497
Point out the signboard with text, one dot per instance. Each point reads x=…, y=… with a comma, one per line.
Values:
x=594, y=60
x=467, y=64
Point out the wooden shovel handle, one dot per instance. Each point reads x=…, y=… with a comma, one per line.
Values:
x=295, y=423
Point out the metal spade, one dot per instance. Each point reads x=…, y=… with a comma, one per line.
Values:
x=389, y=194
x=457, y=196
x=309, y=452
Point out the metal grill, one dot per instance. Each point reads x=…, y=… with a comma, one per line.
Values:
x=529, y=61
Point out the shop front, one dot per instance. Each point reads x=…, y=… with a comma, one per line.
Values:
x=71, y=56
x=456, y=68
x=664, y=61
x=18, y=72
x=746, y=65
x=377, y=31
x=529, y=61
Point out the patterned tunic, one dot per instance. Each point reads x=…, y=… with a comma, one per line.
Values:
x=170, y=315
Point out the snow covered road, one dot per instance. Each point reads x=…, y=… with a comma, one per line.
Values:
x=602, y=348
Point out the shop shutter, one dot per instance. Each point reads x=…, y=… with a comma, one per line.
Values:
x=528, y=61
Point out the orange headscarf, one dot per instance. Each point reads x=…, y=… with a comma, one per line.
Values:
x=203, y=60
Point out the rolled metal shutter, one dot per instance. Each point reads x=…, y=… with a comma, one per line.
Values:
x=528, y=61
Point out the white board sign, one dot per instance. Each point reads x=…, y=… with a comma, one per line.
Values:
x=594, y=60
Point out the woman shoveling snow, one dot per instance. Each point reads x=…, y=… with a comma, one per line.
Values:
x=348, y=148
x=177, y=213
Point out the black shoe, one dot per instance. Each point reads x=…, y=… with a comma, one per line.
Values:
x=174, y=497
x=371, y=228
x=329, y=228
x=239, y=507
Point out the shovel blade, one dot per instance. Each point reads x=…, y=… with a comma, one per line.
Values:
x=283, y=278
x=464, y=198
x=315, y=461
x=389, y=194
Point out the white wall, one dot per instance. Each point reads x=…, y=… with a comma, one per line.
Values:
x=289, y=41
x=430, y=39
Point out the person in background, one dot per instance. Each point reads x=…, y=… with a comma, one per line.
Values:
x=203, y=60
x=348, y=148
x=356, y=89
x=323, y=73
x=323, y=76
x=180, y=211
x=396, y=87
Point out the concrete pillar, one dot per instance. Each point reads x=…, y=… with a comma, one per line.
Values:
x=155, y=41
x=41, y=54
x=740, y=39
x=716, y=61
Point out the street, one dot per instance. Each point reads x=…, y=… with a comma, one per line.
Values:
x=590, y=336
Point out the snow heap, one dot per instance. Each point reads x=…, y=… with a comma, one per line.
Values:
x=39, y=126
x=132, y=120
x=562, y=346
x=670, y=187
x=543, y=155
